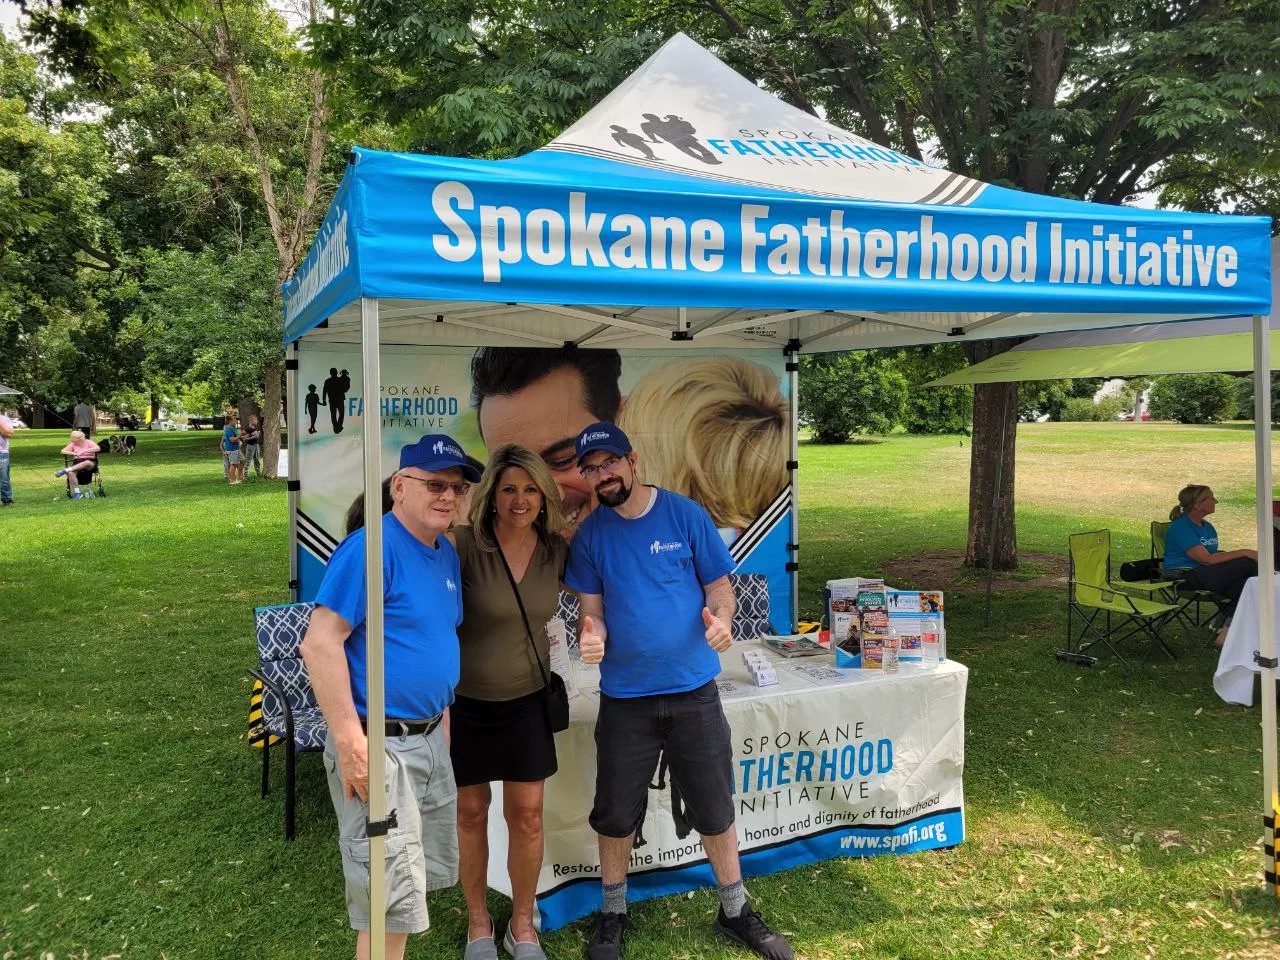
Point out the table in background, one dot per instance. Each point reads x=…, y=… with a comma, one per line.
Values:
x=827, y=763
x=1233, y=679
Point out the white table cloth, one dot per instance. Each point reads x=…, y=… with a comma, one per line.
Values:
x=826, y=763
x=1233, y=680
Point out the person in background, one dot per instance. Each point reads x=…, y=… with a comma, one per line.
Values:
x=422, y=607
x=231, y=449
x=82, y=419
x=652, y=577
x=1191, y=549
x=251, y=445
x=84, y=461
x=6, y=487
x=513, y=559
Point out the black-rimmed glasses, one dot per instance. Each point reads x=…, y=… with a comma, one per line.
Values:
x=604, y=466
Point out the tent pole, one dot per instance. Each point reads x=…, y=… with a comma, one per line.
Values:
x=792, y=353
x=371, y=423
x=995, y=510
x=291, y=433
x=1266, y=650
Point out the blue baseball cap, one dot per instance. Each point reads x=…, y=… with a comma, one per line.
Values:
x=602, y=435
x=438, y=451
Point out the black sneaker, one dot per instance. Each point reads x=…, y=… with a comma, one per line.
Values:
x=753, y=933
x=606, y=942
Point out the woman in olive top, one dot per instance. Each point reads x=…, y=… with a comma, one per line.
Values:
x=500, y=727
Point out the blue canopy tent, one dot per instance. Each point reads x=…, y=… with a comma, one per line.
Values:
x=739, y=222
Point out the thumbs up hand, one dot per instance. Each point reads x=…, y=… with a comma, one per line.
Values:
x=718, y=635
x=591, y=642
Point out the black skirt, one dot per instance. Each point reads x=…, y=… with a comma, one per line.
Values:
x=501, y=740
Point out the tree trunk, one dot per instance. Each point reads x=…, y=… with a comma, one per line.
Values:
x=272, y=392
x=155, y=405
x=995, y=420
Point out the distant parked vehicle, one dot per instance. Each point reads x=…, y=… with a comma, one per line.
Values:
x=1146, y=416
x=162, y=425
x=18, y=425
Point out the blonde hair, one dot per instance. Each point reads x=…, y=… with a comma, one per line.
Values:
x=714, y=429
x=551, y=518
x=1188, y=497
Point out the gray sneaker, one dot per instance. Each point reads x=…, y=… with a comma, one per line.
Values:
x=522, y=951
x=483, y=948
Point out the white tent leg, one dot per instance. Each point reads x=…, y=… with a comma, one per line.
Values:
x=793, y=472
x=1266, y=580
x=291, y=431
x=371, y=424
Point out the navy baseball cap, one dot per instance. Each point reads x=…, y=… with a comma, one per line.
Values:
x=438, y=451
x=602, y=436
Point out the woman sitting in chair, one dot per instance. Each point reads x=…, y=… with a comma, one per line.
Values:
x=1191, y=545
x=84, y=462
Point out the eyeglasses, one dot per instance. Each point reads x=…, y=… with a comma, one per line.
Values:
x=604, y=466
x=437, y=487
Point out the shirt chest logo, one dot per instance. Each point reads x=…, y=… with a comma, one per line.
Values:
x=448, y=582
x=658, y=547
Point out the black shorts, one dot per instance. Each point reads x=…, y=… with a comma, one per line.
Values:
x=501, y=740
x=692, y=730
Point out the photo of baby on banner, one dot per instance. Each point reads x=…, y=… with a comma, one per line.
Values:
x=715, y=428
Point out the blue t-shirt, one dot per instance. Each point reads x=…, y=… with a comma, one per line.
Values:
x=227, y=443
x=1182, y=536
x=422, y=607
x=651, y=571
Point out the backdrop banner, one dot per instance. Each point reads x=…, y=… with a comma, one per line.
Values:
x=828, y=763
x=711, y=425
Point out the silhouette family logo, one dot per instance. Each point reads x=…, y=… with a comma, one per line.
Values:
x=658, y=547
x=673, y=130
x=441, y=447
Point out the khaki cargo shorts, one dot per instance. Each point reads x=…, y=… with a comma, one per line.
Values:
x=422, y=851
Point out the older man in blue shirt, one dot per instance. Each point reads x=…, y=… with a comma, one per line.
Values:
x=422, y=606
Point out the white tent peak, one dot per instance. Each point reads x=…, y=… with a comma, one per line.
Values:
x=685, y=111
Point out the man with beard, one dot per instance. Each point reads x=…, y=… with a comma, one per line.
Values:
x=651, y=573
x=541, y=399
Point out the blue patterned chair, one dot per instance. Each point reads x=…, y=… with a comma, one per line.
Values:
x=750, y=615
x=289, y=708
x=751, y=606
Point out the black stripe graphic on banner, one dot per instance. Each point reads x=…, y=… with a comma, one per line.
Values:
x=760, y=529
x=767, y=846
x=751, y=538
x=322, y=552
x=317, y=532
x=943, y=188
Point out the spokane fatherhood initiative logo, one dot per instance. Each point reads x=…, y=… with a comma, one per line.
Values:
x=658, y=547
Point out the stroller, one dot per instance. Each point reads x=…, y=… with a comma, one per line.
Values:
x=93, y=481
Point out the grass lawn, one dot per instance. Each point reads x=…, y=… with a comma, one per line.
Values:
x=1109, y=812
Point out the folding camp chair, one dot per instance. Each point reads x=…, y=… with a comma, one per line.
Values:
x=289, y=708
x=1107, y=614
x=1190, y=610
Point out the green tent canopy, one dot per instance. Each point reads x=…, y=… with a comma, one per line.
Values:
x=1190, y=346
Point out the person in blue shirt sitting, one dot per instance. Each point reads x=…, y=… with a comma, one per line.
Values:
x=1191, y=547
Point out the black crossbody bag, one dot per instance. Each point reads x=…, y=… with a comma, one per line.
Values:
x=554, y=695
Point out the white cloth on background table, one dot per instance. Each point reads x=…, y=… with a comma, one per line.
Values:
x=1233, y=680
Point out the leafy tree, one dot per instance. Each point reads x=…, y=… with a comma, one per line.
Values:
x=224, y=129
x=934, y=409
x=1194, y=397
x=843, y=394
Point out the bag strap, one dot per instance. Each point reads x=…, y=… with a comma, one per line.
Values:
x=523, y=616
